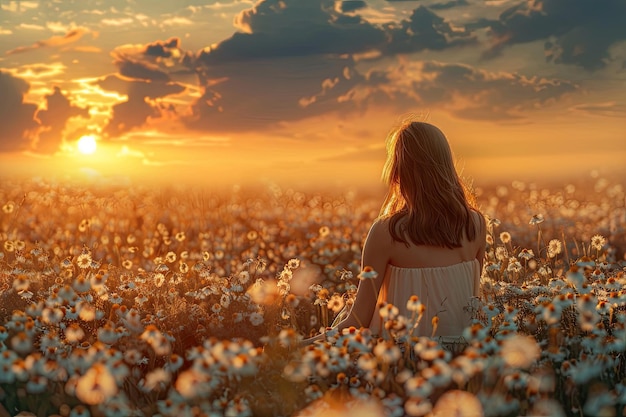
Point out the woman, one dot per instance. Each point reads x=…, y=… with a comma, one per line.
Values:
x=429, y=239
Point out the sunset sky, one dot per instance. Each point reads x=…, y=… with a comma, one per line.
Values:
x=306, y=90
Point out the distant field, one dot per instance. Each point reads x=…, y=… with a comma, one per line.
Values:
x=121, y=301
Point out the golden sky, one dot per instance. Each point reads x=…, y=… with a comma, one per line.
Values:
x=218, y=92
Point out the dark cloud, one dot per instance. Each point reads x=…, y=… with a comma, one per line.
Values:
x=347, y=6
x=268, y=92
x=141, y=71
x=136, y=110
x=294, y=28
x=70, y=37
x=425, y=30
x=448, y=5
x=473, y=93
x=578, y=32
x=294, y=59
x=53, y=119
x=162, y=49
x=16, y=116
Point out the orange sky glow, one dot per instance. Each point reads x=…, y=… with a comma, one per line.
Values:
x=214, y=93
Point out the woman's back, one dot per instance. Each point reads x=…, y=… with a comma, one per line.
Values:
x=423, y=256
x=446, y=292
x=444, y=279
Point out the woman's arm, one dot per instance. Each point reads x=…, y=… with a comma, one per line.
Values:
x=481, y=239
x=376, y=251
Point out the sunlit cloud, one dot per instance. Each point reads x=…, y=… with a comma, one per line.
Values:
x=30, y=26
x=70, y=37
x=177, y=21
x=118, y=22
x=607, y=108
x=39, y=70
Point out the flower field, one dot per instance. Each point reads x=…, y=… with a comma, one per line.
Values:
x=118, y=301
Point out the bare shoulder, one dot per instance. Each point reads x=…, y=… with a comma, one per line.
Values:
x=480, y=222
x=380, y=230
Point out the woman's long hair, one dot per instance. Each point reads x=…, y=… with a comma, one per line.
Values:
x=427, y=203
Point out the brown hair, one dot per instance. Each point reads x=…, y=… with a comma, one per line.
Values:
x=425, y=189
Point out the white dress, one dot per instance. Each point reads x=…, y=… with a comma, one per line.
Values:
x=444, y=291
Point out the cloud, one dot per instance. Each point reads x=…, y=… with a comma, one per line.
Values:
x=297, y=59
x=139, y=106
x=576, y=32
x=145, y=76
x=293, y=28
x=347, y=6
x=162, y=49
x=70, y=37
x=607, y=108
x=270, y=92
x=53, y=120
x=16, y=116
x=425, y=30
x=473, y=93
x=448, y=5
x=141, y=70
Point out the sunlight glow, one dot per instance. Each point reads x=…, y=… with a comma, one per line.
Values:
x=87, y=145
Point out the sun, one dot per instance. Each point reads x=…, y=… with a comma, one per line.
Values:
x=87, y=145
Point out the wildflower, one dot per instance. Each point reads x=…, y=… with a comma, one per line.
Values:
x=458, y=403
x=8, y=207
x=493, y=222
x=536, y=219
x=96, y=386
x=526, y=254
x=74, y=333
x=21, y=283
x=554, y=248
x=597, y=242
x=489, y=239
x=575, y=277
x=159, y=343
x=387, y=351
x=322, y=297
x=293, y=263
x=81, y=284
x=21, y=343
x=335, y=303
x=292, y=300
x=80, y=411
x=180, y=236
x=170, y=257
x=36, y=384
x=368, y=273
x=418, y=386
x=157, y=379
x=159, y=279
x=9, y=246
x=520, y=351
x=505, y=237
x=501, y=253
x=84, y=260
x=415, y=305
x=243, y=277
x=174, y=362
x=256, y=319
x=514, y=265
x=388, y=311
x=417, y=406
